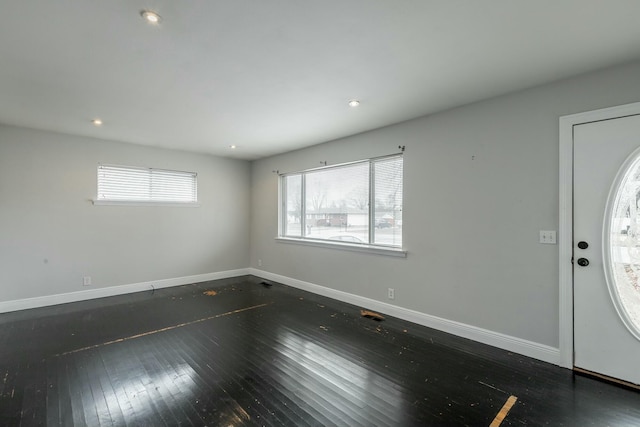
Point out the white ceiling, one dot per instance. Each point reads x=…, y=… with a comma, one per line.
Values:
x=274, y=75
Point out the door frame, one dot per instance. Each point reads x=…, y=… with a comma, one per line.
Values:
x=565, y=230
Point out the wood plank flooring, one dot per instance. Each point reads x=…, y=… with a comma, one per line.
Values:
x=254, y=355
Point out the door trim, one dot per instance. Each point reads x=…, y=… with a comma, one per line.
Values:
x=565, y=230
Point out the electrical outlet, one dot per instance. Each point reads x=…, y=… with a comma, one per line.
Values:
x=391, y=293
x=259, y=263
x=86, y=281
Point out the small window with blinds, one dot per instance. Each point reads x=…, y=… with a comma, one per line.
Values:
x=354, y=204
x=131, y=185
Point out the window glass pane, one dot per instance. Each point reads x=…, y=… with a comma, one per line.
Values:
x=293, y=203
x=623, y=241
x=388, y=201
x=337, y=203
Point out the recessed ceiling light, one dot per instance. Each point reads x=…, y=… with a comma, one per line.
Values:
x=354, y=103
x=150, y=16
x=96, y=122
x=233, y=147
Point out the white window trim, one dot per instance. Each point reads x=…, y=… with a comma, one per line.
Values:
x=352, y=247
x=394, y=251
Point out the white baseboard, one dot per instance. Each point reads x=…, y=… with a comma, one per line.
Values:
x=495, y=339
x=43, y=301
x=506, y=342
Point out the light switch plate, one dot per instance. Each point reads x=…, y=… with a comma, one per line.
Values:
x=548, y=237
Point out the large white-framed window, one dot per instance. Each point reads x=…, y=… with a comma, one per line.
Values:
x=138, y=185
x=357, y=204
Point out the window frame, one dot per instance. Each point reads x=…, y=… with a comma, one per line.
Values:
x=147, y=201
x=375, y=248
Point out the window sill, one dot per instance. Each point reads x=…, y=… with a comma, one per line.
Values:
x=377, y=250
x=141, y=203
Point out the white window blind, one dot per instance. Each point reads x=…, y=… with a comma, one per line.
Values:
x=134, y=184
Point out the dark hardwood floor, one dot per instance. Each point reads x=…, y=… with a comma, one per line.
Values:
x=253, y=355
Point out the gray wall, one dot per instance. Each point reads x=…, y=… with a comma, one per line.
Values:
x=46, y=183
x=480, y=182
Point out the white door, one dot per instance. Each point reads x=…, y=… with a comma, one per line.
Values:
x=606, y=235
